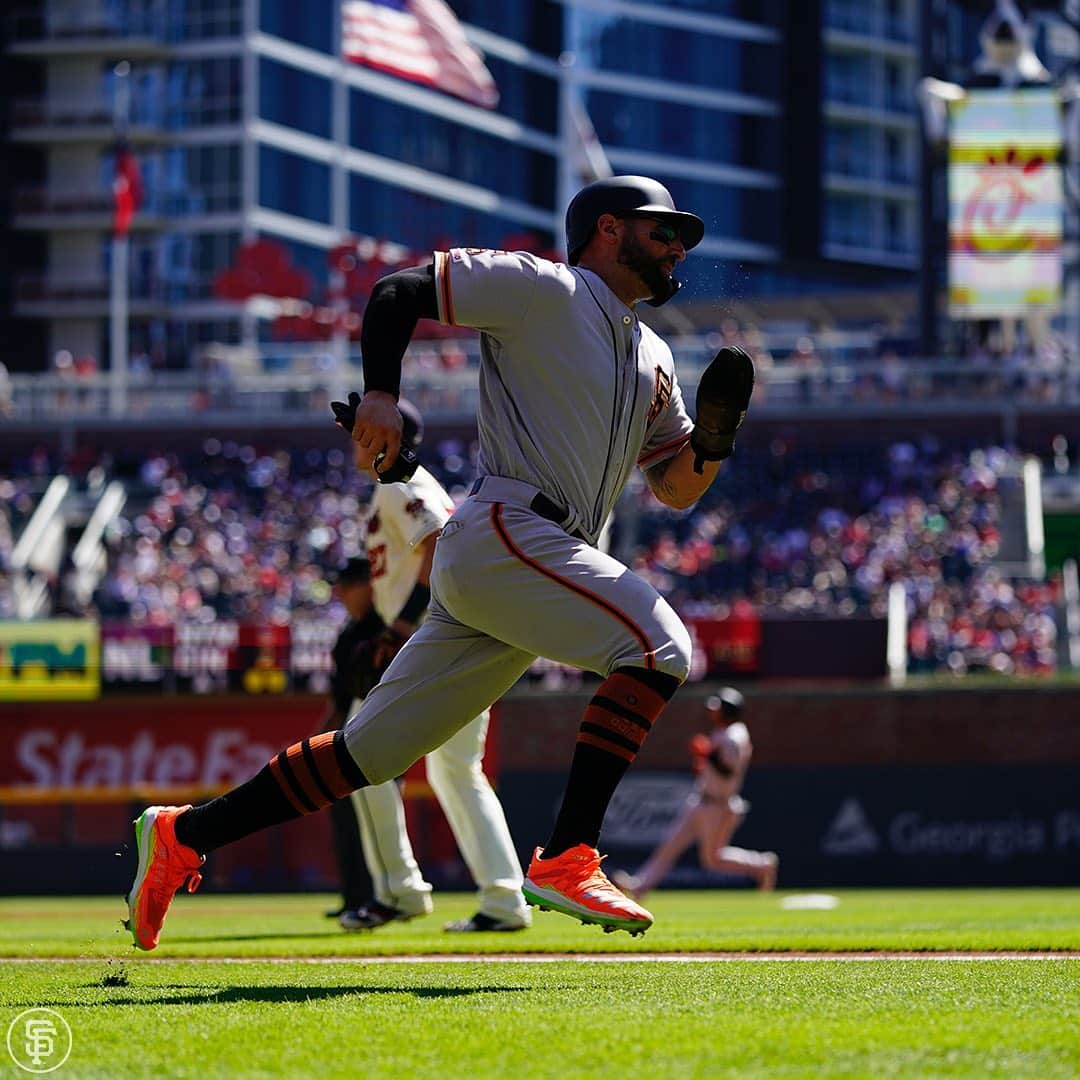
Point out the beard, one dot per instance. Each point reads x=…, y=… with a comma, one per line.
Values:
x=651, y=270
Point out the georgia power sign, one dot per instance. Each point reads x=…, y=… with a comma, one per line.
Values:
x=851, y=833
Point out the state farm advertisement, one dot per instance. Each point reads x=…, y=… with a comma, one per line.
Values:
x=129, y=747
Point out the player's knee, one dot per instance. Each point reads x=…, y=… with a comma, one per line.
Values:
x=362, y=745
x=675, y=657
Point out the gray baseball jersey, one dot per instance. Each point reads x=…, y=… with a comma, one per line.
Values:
x=574, y=389
x=574, y=392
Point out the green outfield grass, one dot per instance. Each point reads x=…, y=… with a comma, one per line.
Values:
x=215, y=925
x=185, y=1010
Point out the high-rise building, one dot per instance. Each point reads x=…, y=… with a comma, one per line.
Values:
x=789, y=125
x=871, y=132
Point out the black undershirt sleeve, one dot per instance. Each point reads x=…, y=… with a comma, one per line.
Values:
x=397, y=302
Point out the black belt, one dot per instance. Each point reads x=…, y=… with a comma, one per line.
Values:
x=545, y=507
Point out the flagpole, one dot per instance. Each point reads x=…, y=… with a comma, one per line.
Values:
x=567, y=185
x=118, y=282
x=339, y=207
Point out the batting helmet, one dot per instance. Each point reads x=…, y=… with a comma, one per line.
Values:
x=623, y=195
x=412, y=424
x=729, y=702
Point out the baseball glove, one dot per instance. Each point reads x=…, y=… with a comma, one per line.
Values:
x=405, y=464
x=723, y=396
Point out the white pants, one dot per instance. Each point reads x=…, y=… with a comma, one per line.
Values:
x=475, y=816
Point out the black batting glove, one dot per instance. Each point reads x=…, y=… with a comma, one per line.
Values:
x=723, y=396
x=407, y=462
x=345, y=411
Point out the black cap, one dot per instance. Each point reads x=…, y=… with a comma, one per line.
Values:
x=357, y=571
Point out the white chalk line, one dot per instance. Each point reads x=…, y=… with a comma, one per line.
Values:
x=559, y=958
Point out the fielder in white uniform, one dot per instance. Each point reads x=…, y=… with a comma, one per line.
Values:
x=575, y=392
x=403, y=523
x=714, y=810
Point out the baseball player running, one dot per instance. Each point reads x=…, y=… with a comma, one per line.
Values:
x=404, y=521
x=575, y=390
x=715, y=808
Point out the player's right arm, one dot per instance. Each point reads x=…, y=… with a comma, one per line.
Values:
x=397, y=303
x=491, y=291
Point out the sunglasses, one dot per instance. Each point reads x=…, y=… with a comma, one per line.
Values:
x=661, y=232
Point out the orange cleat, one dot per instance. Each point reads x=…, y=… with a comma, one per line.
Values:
x=574, y=884
x=164, y=866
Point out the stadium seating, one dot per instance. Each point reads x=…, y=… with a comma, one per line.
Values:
x=253, y=535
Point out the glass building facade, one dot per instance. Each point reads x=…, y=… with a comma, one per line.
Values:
x=247, y=126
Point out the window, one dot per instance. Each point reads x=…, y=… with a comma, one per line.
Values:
x=190, y=263
x=202, y=179
x=451, y=150
x=199, y=20
x=294, y=184
x=309, y=22
x=752, y=142
x=294, y=98
x=204, y=91
x=666, y=54
x=425, y=222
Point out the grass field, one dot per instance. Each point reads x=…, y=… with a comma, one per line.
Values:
x=264, y=986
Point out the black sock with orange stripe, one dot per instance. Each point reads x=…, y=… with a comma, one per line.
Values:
x=308, y=776
x=618, y=718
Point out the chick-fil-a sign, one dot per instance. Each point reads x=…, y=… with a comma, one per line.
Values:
x=1005, y=203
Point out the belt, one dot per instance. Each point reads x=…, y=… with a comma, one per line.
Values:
x=544, y=506
x=538, y=504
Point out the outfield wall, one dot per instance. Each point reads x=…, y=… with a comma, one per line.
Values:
x=850, y=785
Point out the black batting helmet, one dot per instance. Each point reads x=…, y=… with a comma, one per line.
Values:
x=412, y=424
x=624, y=195
x=729, y=702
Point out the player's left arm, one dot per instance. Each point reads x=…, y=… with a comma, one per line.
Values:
x=676, y=483
x=723, y=396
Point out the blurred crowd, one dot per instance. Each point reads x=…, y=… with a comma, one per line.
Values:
x=826, y=534
x=233, y=532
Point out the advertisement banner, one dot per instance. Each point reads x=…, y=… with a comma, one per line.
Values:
x=218, y=657
x=869, y=826
x=50, y=660
x=137, y=658
x=1005, y=203
x=726, y=646
x=207, y=748
x=74, y=776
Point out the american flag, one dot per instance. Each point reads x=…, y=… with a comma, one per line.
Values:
x=419, y=40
